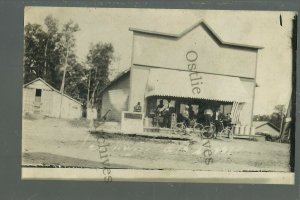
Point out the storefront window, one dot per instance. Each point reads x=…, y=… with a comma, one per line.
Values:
x=226, y=108
x=168, y=103
x=195, y=108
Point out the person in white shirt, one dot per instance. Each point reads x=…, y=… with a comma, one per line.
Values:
x=208, y=113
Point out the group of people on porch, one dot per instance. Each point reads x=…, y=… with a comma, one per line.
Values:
x=211, y=114
x=188, y=115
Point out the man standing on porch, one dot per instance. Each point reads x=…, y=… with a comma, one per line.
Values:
x=161, y=107
x=218, y=119
x=186, y=115
x=137, y=107
x=208, y=113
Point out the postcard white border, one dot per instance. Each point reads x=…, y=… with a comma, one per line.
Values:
x=136, y=175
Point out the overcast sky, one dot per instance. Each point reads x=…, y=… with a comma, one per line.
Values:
x=245, y=27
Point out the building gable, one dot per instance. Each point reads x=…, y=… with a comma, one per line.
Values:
x=38, y=84
x=200, y=23
x=198, y=45
x=268, y=129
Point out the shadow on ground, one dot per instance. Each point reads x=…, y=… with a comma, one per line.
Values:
x=41, y=159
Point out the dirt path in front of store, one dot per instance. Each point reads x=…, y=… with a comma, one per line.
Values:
x=68, y=143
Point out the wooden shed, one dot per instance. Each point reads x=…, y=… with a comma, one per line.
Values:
x=266, y=128
x=41, y=98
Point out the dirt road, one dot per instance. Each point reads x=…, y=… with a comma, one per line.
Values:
x=68, y=143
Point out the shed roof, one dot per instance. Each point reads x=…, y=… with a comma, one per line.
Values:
x=116, y=79
x=199, y=23
x=258, y=124
x=52, y=88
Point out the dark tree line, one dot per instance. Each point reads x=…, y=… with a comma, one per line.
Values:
x=275, y=118
x=261, y=118
x=49, y=53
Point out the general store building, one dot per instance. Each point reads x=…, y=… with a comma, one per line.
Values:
x=195, y=67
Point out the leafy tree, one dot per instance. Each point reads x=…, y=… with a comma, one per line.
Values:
x=280, y=109
x=42, y=55
x=261, y=117
x=99, y=59
x=52, y=53
x=277, y=115
x=49, y=52
x=35, y=39
x=76, y=82
x=275, y=118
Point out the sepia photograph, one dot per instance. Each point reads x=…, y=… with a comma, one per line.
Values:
x=132, y=94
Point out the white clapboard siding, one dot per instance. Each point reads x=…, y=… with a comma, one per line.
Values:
x=53, y=103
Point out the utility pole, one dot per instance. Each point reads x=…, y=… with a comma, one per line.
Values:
x=89, y=85
x=63, y=81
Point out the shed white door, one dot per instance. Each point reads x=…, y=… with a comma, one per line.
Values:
x=37, y=101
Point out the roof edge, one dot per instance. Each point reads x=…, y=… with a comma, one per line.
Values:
x=115, y=79
x=190, y=29
x=40, y=79
x=269, y=123
x=274, y=126
x=262, y=124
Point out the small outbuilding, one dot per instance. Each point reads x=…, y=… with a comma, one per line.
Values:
x=266, y=128
x=41, y=98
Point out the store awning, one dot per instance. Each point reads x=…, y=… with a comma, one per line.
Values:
x=185, y=84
